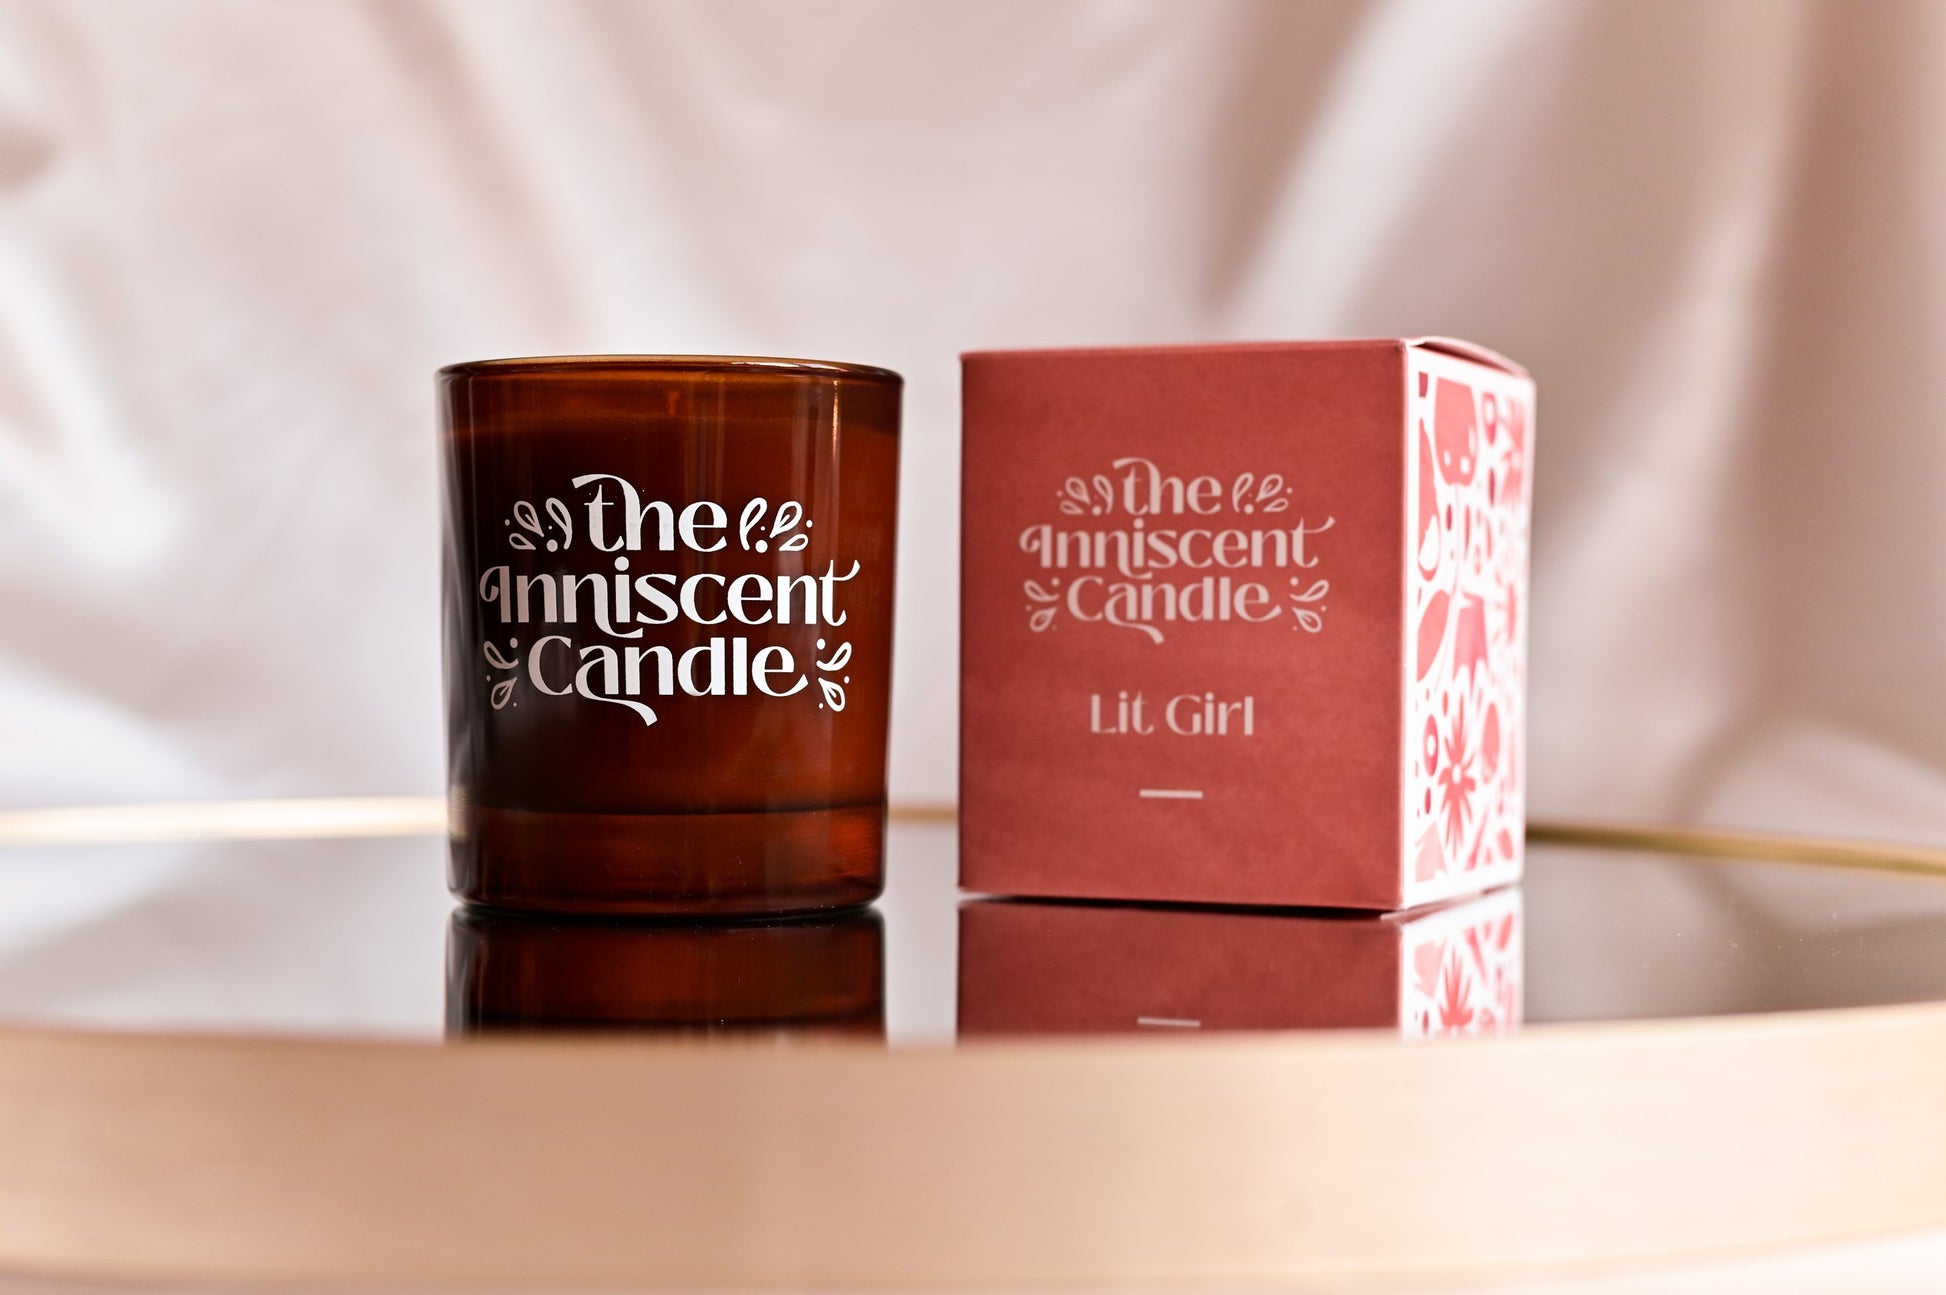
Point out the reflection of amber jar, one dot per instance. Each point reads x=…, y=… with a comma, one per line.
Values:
x=668, y=632
x=811, y=974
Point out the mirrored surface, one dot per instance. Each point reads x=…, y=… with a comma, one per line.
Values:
x=359, y=938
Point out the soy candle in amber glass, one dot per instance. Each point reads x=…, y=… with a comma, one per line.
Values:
x=668, y=607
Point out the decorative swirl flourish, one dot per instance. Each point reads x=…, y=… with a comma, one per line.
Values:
x=1309, y=619
x=833, y=689
x=530, y=522
x=502, y=692
x=1041, y=617
x=789, y=514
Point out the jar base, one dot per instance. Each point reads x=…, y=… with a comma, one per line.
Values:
x=770, y=862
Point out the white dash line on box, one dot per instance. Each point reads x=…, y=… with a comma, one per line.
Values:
x=1168, y=1023
x=1168, y=793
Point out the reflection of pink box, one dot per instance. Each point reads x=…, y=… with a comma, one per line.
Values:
x=1244, y=624
x=1029, y=967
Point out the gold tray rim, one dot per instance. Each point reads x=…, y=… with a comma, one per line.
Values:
x=365, y=816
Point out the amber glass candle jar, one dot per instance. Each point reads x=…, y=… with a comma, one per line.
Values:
x=668, y=593
x=820, y=974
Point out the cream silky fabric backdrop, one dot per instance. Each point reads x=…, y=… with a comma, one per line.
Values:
x=237, y=238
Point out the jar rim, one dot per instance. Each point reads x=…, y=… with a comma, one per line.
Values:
x=708, y=365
